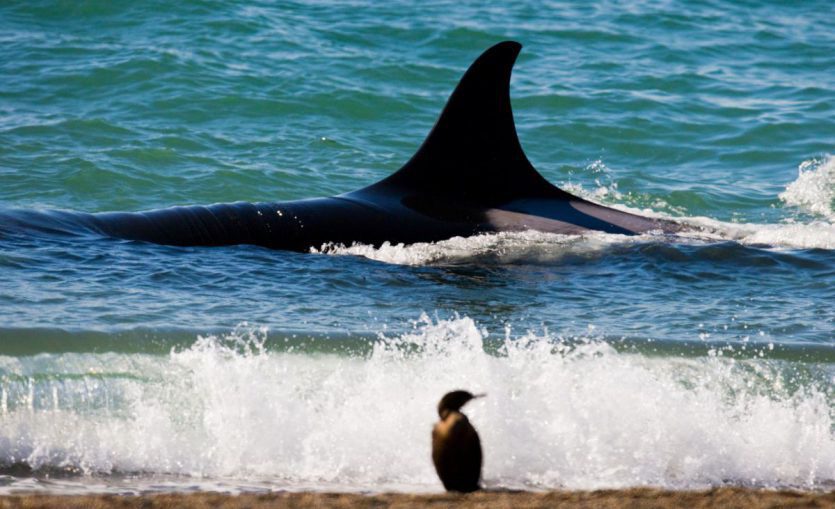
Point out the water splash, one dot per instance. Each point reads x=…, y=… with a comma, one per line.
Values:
x=814, y=189
x=504, y=247
x=559, y=413
x=532, y=247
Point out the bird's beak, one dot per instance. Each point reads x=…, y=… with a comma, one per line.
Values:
x=482, y=395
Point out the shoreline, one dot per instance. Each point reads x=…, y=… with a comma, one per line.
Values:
x=725, y=497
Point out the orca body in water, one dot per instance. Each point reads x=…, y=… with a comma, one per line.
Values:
x=469, y=176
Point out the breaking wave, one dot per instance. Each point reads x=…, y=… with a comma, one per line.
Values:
x=560, y=413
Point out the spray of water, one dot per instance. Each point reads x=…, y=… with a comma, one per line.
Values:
x=814, y=189
x=559, y=413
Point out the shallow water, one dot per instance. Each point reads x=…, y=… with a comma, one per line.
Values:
x=609, y=361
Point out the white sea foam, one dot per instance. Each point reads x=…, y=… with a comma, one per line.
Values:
x=505, y=247
x=789, y=235
x=813, y=192
x=558, y=414
x=537, y=247
x=814, y=189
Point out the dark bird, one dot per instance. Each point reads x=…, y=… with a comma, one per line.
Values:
x=456, y=448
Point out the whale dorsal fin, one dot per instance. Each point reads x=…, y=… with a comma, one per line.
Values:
x=473, y=152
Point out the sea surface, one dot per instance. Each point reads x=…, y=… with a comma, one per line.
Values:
x=701, y=360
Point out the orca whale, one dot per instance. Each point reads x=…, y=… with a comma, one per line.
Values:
x=469, y=176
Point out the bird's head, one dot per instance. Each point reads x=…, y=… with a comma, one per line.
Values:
x=453, y=401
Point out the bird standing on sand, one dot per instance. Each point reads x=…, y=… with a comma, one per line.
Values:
x=456, y=448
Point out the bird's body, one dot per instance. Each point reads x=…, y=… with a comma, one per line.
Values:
x=456, y=447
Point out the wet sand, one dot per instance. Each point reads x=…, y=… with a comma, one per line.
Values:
x=630, y=498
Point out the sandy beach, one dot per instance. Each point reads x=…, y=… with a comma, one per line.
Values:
x=614, y=499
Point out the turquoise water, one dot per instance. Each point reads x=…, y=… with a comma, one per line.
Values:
x=609, y=361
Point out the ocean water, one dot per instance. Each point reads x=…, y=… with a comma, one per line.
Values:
x=609, y=361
